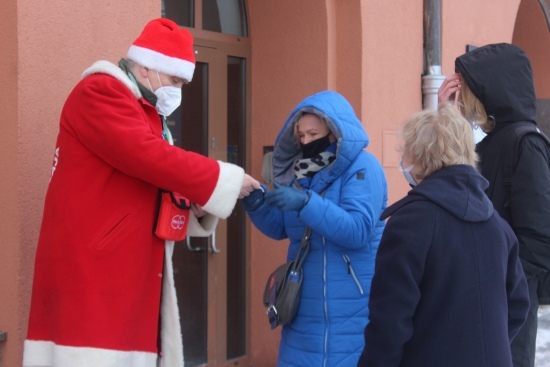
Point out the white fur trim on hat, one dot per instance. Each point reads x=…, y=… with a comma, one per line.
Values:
x=165, y=64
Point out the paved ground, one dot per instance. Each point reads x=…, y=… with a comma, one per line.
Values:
x=542, y=358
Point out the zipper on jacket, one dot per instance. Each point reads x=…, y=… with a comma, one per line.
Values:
x=325, y=303
x=350, y=271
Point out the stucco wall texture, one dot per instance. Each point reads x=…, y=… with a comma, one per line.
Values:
x=9, y=184
x=371, y=51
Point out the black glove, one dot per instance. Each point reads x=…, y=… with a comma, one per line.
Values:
x=254, y=200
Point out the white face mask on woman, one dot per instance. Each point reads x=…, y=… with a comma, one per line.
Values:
x=407, y=173
x=168, y=98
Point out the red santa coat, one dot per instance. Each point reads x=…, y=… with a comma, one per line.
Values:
x=99, y=268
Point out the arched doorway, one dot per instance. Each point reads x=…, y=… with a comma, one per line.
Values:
x=532, y=33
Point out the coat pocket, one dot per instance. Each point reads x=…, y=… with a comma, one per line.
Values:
x=347, y=260
x=108, y=237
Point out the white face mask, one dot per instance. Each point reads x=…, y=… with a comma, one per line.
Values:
x=168, y=98
x=407, y=173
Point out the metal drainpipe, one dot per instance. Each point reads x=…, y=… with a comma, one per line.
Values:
x=432, y=79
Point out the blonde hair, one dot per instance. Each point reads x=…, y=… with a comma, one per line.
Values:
x=296, y=134
x=437, y=139
x=473, y=109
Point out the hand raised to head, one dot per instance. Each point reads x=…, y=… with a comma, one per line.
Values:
x=450, y=86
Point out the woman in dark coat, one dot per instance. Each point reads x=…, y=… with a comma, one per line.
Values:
x=448, y=288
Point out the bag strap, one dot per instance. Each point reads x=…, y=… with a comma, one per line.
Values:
x=303, y=250
x=304, y=246
x=510, y=152
x=180, y=201
x=501, y=141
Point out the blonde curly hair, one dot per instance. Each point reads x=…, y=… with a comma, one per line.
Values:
x=437, y=139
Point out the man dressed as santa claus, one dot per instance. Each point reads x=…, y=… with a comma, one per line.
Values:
x=102, y=274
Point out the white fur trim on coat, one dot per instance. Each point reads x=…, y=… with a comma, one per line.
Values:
x=227, y=190
x=203, y=228
x=170, y=327
x=106, y=67
x=47, y=354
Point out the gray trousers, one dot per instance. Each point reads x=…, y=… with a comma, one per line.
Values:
x=525, y=344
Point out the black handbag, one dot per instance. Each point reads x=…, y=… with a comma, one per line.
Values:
x=284, y=286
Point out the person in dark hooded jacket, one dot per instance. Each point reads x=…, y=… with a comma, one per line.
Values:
x=495, y=84
x=448, y=288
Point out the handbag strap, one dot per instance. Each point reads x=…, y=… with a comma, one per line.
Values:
x=304, y=246
x=303, y=250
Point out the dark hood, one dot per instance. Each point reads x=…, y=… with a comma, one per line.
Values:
x=459, y=189
x=500, y=76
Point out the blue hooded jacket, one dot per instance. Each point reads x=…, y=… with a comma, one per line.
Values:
x=346, y=230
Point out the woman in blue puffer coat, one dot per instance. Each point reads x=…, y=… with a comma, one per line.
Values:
x=326, y=181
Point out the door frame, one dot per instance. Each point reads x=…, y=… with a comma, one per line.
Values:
x=215, y=53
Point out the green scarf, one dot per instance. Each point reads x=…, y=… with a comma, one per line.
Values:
x=145, y=92
x=149, y=97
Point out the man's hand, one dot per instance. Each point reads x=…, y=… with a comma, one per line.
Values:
x=249, y=185
x=286, y=198
x=450, y=86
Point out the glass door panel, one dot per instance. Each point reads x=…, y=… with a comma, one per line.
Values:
x=180, y=11
x=189, y=127
x=224, y=16
x=210, y=273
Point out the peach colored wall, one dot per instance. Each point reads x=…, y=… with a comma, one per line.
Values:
x=531, y=33
x=55, y=42
x=391, y=78
x=476, y=23
x=9, y=182
x=289, y=62
x=344, y=57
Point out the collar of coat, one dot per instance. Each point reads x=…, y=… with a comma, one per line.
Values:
x=106, y=67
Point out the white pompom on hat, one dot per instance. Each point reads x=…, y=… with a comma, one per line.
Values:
x=165, y=47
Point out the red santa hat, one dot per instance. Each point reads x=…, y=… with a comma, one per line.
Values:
x=165, y=47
